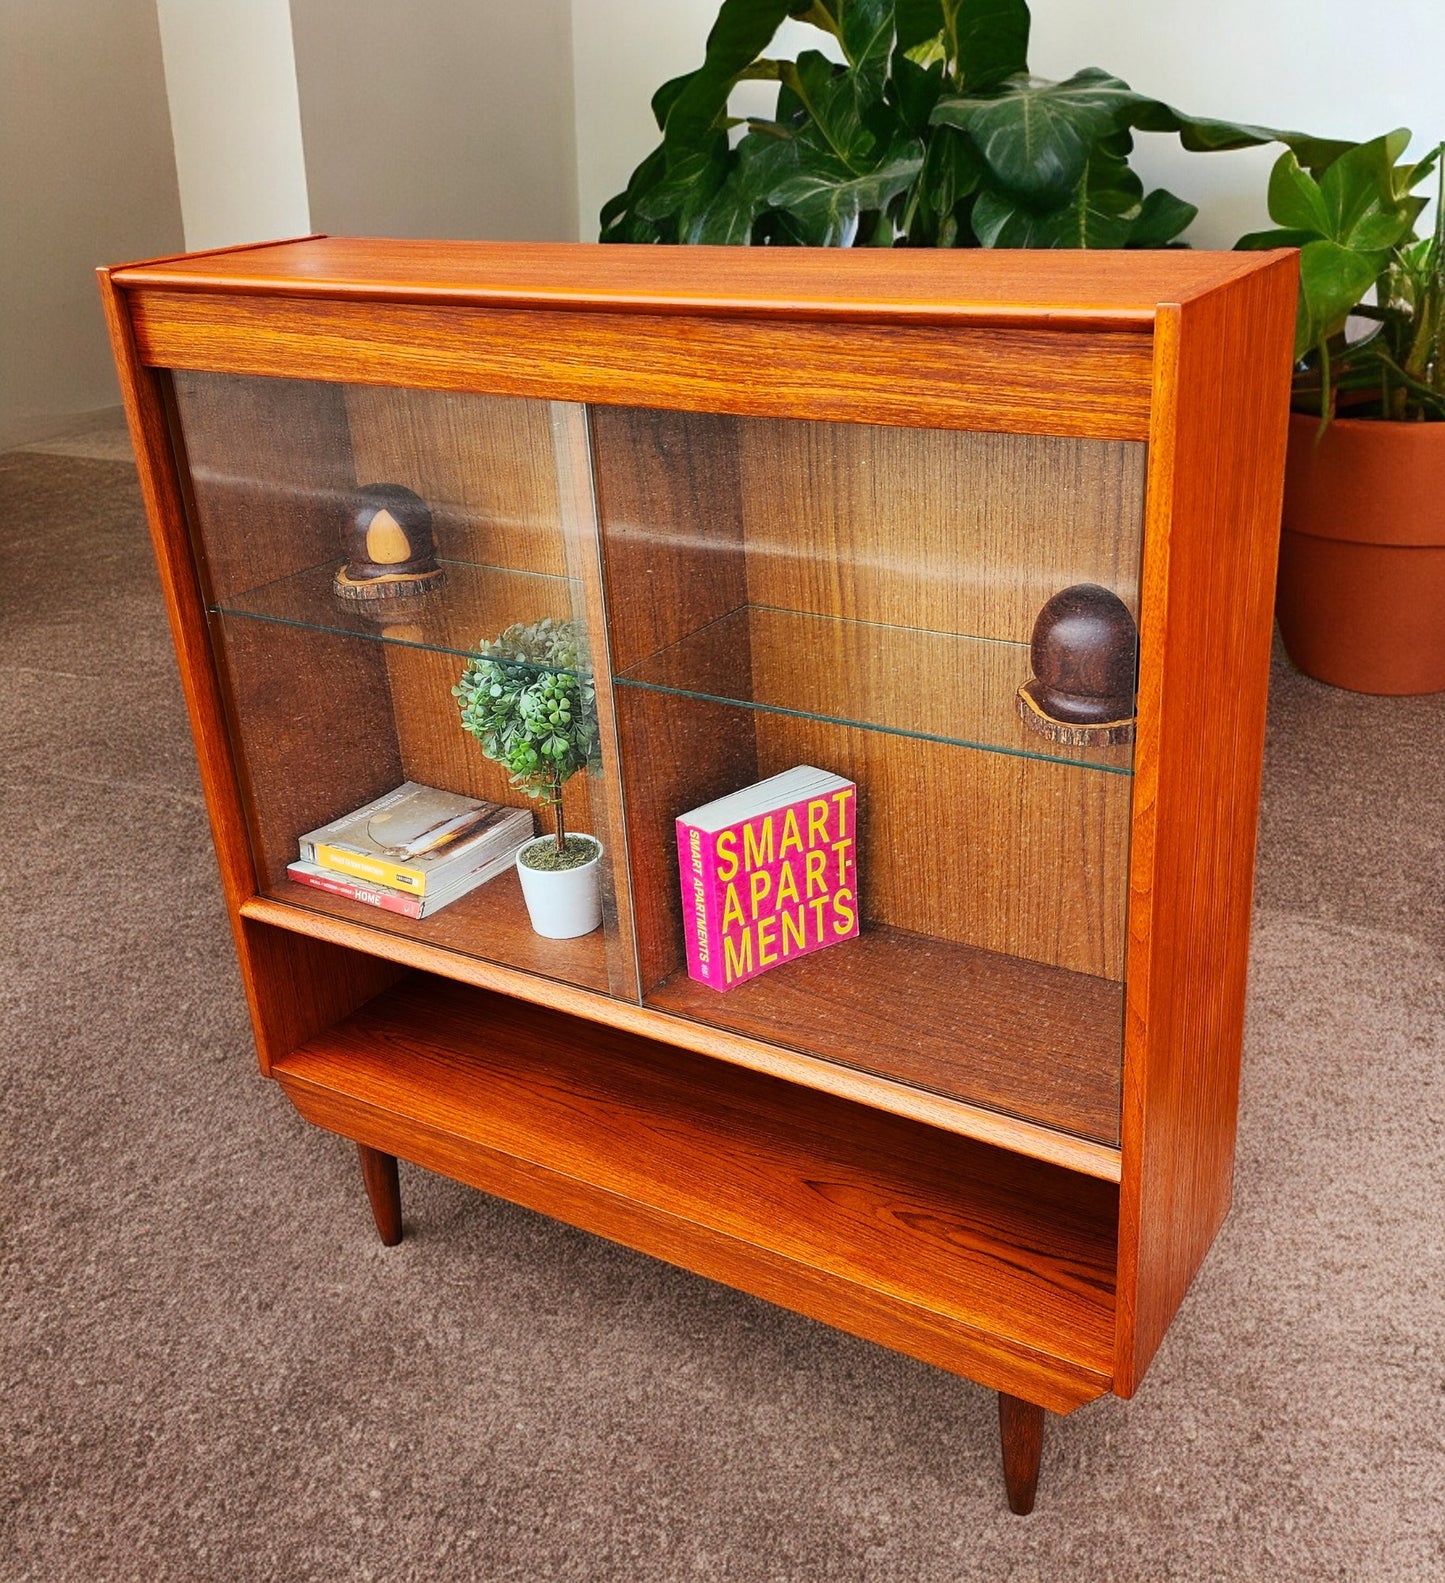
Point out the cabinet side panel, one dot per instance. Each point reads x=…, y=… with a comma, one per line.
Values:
x=1216, y=478
x=294, y=987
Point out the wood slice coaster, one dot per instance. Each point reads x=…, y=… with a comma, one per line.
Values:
x=1108, y=733
x=399, y=585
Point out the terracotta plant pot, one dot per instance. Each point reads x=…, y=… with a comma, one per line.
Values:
x=1361, y=600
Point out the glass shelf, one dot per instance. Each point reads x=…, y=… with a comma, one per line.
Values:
x=937, y=686
x=473, y=604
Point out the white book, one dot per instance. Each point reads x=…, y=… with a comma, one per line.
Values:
x=416, y=838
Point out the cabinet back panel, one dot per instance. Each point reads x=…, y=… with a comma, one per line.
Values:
x=949, y=531
x=483, y=464
x=671, y=512
x=985, y=849
x=270, y=470
x=311, y=719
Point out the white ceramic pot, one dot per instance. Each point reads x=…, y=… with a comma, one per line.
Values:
x=562, y=903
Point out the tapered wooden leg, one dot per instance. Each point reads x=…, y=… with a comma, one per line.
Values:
x=378, y=1171
x=1021, y=1427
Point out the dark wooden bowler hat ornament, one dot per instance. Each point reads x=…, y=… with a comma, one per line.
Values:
x=1085, y=653
x=390, y=548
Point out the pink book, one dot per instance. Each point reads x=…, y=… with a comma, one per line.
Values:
x=769, y=874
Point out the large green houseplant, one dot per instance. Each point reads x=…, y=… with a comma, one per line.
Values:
x=1362, y=559
x=920, y=125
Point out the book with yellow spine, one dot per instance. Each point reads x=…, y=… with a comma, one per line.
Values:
x=417, y=836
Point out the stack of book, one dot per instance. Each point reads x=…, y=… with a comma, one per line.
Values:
x=413, y=851
x=769, y=874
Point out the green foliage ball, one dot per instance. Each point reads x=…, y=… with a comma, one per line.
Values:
x=533, y=710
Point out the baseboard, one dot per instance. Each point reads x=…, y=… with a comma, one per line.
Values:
x=34, y=428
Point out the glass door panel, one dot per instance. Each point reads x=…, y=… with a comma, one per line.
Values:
x=862, y=600
x=360, y=547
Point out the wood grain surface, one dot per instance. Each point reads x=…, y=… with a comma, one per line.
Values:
x=383, y=1192
x=294, y=986
x=1217, y=467
x=1021, y=1434
x=577, y=499
x=483, y=465
x=932, y=529
x=740, y=1175
x=670, y=523
x=1027, y=380
x=1007, y=854
x=1033, y=1041
x=694, y=1131
x=489, y=923
x=942, y=1113
x=1064, y=289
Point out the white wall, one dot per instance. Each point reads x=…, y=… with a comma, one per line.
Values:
x=86, y=178
x=1343, y=68
x=231, y=81
x=447, y=118
x=1330, y=66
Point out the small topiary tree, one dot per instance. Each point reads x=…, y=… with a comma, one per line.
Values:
x=532, y=709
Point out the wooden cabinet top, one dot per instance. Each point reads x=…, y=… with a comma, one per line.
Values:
x=973, y=286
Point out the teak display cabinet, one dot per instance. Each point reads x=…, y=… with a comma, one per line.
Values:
x=801, y=508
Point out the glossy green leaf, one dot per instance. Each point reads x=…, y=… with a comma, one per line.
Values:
x=826, y=93
x=1161, y=220
x=1260, y=240
x=1362, y=206
x=990, y=39
x=1205, y=135
x=1295, y=199
x=731, y=215
x=913, y=91
x=742, y=31
x=953, y=169
x=916, y=22
x=689, y=182
x=866, y=31
x=1333, y=278
x=1036, y=136
x=1101, y=212
x=826, y=199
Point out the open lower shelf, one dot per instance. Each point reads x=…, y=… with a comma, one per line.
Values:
x=489, y=923
x=471, y=604
x=965, y=1255
x=1035, y=1042
x=937, y=686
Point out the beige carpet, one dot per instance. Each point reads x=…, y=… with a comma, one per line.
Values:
x=214, y=1372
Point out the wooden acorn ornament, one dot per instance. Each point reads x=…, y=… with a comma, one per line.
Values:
x=390, y=547
x=1085, y=653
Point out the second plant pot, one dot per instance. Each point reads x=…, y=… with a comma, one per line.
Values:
x=1361, y=600
x=565, y=902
